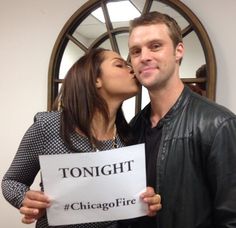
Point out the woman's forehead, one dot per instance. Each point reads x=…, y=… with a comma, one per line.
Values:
x=111, y=54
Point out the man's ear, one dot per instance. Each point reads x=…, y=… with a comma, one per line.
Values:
x=98, y=83
x=179, y=51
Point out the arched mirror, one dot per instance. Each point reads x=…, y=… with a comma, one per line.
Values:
x=95, y=25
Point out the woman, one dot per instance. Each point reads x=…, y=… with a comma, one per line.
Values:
x=90, y=119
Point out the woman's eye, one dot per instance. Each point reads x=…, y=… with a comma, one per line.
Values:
x=121, y=64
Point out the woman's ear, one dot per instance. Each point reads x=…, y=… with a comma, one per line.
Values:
x=98, y=83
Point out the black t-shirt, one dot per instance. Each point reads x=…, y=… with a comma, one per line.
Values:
x=152, y=144
x=152, y=139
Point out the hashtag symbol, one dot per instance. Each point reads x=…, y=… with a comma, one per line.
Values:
x=67, y=206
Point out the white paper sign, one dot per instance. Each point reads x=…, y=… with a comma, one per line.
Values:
x=95, y=187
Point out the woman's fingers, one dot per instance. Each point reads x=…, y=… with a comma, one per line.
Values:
x=36, y=199
x=153, y=200
x=29, y=211
x=154, y=207
x=28, y=220
x=31, y=214
x=33, y=206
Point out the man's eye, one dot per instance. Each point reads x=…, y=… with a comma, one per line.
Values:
x=134, y=52
x=155, y=46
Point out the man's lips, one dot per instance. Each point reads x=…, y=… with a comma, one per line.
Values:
x=146, y=69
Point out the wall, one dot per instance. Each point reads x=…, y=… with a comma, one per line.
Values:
x=218, y=18
x=28, y=32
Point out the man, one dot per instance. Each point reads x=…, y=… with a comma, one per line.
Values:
x=190, y=141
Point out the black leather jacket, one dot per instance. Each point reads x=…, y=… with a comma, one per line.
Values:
x=196, y=163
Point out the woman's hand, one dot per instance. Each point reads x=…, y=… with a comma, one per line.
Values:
x=153, y=200
x=34, y=206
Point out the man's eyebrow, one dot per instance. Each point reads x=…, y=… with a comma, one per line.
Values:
x=149, y=42
x=133, y=47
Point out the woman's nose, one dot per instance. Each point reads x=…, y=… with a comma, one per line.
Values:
x=131, y=71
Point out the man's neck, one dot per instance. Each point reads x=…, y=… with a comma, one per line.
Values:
x=162, y=100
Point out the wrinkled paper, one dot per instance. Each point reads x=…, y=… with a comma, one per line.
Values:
x=95, y=186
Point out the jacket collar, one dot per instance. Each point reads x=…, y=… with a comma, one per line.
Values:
x=174, y=110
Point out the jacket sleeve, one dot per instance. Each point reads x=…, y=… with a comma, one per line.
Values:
x=221, y=171
x=24, y=167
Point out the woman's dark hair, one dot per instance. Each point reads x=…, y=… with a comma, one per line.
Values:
x=80, y=99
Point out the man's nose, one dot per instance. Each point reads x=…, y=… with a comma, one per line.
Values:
x=145, y=54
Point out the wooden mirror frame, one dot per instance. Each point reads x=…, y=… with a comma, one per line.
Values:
x=85, y=10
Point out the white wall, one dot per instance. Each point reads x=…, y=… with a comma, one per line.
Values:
x=218, y=18
x=28, y=31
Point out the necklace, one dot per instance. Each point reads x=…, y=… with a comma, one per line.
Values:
x=114, y=143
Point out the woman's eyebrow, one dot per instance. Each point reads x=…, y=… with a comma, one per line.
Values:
x=120, y=59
